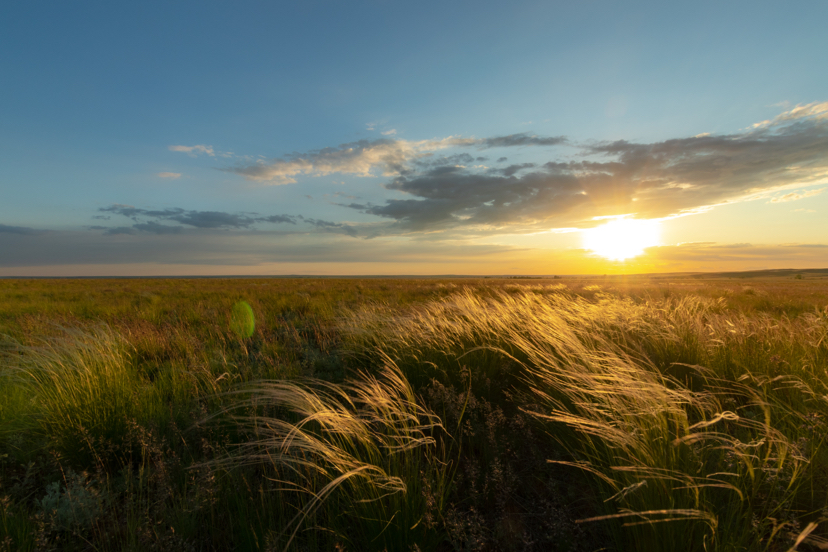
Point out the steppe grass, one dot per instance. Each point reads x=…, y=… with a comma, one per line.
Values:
x=442, y=415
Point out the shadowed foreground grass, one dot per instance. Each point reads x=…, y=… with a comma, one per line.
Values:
x=545, y=415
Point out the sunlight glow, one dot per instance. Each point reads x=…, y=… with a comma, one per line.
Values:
x=622, y=238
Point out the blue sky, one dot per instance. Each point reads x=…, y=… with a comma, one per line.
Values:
x=408, y=138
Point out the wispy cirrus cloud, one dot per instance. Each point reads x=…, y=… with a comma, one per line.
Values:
x=793, y=196
x=195, y=150
x=200, y=149
x=815, y=110
x=157, y=221
x=171, y=175
x=383, y=157
x=191, y=218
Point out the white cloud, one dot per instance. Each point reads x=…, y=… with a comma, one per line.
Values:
x=168, y=175
x=793, y=196
x=194, y=150
x=391, y=132
x=815, y=110
x=364, y=158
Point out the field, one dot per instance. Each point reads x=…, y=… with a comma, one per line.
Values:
x=434, y=414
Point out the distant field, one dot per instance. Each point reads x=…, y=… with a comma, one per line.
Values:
x=616, y=413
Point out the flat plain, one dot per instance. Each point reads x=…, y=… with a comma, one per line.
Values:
x=614, y=413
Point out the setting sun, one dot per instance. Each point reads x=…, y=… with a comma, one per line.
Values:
x=622, y=238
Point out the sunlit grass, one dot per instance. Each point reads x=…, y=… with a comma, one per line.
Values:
x=365, y=445
x=724, y=453
x=569, y=415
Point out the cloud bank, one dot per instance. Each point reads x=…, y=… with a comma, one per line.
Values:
x=438, y=185
x=383, y=157
x=152, y=221
x=649, y=180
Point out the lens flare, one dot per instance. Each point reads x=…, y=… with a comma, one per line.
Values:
x=622, y=238
x=242, y=320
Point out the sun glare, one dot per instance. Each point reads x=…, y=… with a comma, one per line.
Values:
x=622, y=238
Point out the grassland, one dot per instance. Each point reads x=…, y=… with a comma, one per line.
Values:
x=479, y=414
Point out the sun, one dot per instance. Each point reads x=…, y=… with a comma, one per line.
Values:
x=622, y=238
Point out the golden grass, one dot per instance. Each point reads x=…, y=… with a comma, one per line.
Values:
x=687, y=416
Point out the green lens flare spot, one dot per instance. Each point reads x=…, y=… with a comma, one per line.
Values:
x=242, y=321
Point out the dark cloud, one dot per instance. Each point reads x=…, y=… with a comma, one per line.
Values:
x=444, y=160
x=22, y=230
x=513, y=169
x=522, y=139
x=156, y=228
x=452, y=196
x=649, y=179
x=214, y=219
x=194, y=219
x=146, y=221
x=119, y=230
x=334, y=227
x=278, y=219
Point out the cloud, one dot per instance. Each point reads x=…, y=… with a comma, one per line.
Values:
x=651, y=180
x=793, y=196
x=383, y=157
x=522, y=139
x=457, y=159
x=194, y=219
x=194, y=150
x=513, y=169
x=391, y=132
x=21, y=230
x=452, y=196
x=278, y=219
x=116, y=230
x=362, y=158
x=335, y=227
x=156, y=228
x=147, y=221
x=172, y=175
x=815, y=110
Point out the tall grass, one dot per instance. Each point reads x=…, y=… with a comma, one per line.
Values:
x=361, y=455
x=491, y=417
x=732, y=461
x=81, y=393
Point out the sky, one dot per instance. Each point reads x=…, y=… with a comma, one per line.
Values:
x=402, y=138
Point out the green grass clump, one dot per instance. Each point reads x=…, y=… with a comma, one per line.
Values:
x=82, y=393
